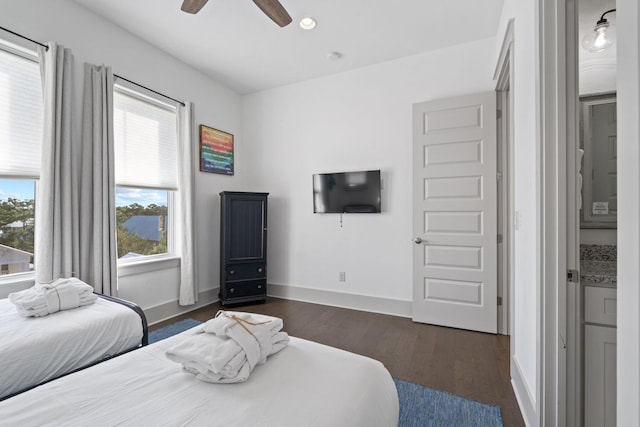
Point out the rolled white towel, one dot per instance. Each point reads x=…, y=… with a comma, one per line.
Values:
x=65, y=294
x=221, y=323
x=248, y=328
x=210, y=358
x=279, y=341
x=47, y=298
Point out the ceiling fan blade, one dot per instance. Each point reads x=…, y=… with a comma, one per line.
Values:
x=274, y=10
x=193, y=6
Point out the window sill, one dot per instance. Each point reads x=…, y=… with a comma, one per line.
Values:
x=16, y=282
x=21, y=281
x=149, y=264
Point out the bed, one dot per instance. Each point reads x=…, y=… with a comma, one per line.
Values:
x=34, y=350
x=306, y=384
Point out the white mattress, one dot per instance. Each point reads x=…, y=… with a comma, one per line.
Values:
x=306, y=384
x=34, y=350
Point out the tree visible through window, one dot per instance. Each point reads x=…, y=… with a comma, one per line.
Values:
x=141, y=222
x=17, y=214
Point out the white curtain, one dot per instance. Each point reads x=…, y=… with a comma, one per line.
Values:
x=184, y=210
x=56, y=214
x=98, y=252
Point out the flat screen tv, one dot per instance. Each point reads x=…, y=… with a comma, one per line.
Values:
x=347, y=192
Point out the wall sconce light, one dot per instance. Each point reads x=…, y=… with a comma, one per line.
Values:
x=602, y=37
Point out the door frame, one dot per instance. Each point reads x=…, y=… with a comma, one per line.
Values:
x=557, y=76
x=574, y=335
x=504, y=75
x=628, y=111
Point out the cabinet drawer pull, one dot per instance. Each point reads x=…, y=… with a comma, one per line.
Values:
x=259, y=286
x=232, y=272
x=260, y=269
x=231, y=290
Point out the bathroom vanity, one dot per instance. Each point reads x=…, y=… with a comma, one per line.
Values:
x=598, y=278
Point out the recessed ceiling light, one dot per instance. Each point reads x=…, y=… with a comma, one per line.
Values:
x=308, y=23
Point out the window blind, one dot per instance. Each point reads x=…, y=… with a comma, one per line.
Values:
x=21, y=116
x=145, y=138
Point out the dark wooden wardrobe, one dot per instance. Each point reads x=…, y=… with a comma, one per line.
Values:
x=243, y=247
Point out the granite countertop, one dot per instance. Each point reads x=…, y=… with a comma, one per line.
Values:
x=598, y=272
x=598, y=265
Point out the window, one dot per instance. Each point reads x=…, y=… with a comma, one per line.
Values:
x=21, y=121
x=141, y=219
x=145, y=137
x=17, y=221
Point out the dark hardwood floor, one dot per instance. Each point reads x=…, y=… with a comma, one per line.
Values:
x=469, y=364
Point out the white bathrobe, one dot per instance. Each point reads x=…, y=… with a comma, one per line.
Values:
x=46, y=298
x=226, y=348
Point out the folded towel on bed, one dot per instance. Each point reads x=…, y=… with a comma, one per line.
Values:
x=46, y=298
x=226, y=348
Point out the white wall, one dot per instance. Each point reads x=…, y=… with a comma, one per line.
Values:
x=628, y=352
x=594, y=236
x=525, y=361
x=97, y=41
x=354, y=120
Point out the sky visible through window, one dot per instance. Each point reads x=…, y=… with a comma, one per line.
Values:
x=145, y=197
x=23, y=190
x=16, y=189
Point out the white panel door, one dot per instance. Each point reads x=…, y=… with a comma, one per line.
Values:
x=455, y=212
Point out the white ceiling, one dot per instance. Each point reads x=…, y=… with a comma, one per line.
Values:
x=236, y=44
x=597, y=71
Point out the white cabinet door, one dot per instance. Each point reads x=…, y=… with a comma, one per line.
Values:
x=600, y=376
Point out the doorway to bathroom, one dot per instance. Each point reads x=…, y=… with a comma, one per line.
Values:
x=591, y=216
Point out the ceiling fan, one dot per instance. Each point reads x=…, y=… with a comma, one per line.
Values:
x=272, y=8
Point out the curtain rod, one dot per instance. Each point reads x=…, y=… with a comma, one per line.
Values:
x=24, y=37
x=150, y=90
x=115, y=75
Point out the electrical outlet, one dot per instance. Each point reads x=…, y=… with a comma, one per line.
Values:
x=342, y=276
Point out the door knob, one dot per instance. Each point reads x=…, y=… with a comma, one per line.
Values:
x=417, y=240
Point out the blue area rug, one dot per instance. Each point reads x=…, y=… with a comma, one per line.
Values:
x=419, y=406
x=423, y=406
x=172, y=329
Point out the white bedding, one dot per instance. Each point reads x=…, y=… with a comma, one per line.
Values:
x=34, y=350
x=306, y=384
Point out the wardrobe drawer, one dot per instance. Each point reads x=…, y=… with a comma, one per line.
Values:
x=248, y=288
x=245, y=271
x=600, y=305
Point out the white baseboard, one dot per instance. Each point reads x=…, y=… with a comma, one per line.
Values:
x=171, y=309
x=523, y=395
x=390, y=306
x=340, y=299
